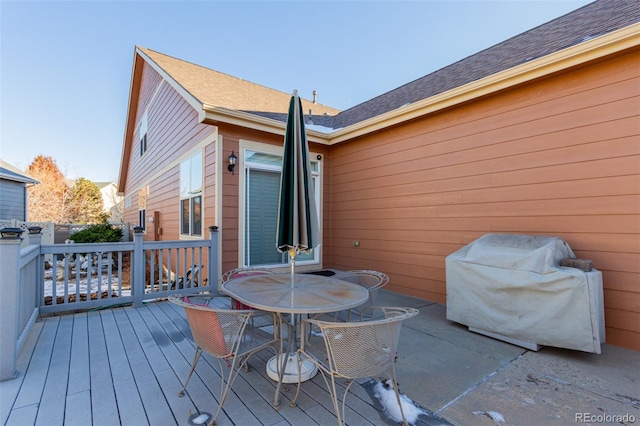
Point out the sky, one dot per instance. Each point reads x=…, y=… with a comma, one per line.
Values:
x=65, y=66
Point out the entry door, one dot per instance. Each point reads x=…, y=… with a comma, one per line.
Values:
x=262, y=191
x=262, y=217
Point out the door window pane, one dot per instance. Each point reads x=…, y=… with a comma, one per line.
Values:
x=184, y=214
x=262, y=191
x=191, y=183
x=261, y=217
x=196, y=219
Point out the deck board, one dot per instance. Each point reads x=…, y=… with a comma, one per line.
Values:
x=77, y=408
x=125, y=366
x=104, y=406
x=79, y=373
x=55, y=388
x=150, y=392
x=33, y=383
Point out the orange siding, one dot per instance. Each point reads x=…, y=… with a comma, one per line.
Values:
x=560, y=156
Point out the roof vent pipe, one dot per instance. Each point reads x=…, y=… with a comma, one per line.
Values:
x=315, y=96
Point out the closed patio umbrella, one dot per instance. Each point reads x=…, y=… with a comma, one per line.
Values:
x=297, y=223
x=297, y=214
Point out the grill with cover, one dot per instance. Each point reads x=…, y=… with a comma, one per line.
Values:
x=513, y=288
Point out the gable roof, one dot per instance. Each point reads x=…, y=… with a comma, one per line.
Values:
x=216, y=89
x=10, y=172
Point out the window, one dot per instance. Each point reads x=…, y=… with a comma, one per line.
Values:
x=142, y=216
x=142, y=134
x=262, y=191
x=142, y=206
x=191, y=196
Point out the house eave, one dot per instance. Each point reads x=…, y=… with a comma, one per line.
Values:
x=212, y=114
x=19, y=178
x=606, y=45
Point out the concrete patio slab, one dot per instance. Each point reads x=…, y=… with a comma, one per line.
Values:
x=551, y=388
x=434, y=372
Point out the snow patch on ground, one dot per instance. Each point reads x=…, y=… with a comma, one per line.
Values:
x=90, y=284
x=387, y=397
x=384, y=399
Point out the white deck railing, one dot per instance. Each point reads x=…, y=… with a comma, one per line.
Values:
x=44, y=279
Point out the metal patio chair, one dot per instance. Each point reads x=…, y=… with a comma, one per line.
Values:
x=225, y=334
x=353, y=350
x=371, y=280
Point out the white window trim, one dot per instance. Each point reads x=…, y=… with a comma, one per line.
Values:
x=182, y=236
x=240, y=168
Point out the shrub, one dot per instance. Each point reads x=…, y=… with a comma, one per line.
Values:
x=101, y=233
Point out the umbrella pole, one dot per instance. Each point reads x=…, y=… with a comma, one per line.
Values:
x=292, y=255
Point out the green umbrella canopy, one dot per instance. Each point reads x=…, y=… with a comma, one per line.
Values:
x=297, y=213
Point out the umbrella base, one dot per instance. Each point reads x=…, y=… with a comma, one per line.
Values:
x=308, y=369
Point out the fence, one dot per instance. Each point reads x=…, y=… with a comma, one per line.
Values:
x=48, y=278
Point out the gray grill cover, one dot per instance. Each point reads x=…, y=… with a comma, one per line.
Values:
x=512, y=285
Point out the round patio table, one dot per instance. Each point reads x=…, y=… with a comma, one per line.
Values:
x=295, y=295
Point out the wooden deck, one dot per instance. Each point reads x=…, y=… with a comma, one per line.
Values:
x=125, y=366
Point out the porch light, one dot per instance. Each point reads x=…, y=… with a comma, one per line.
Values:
x=11, y=233
x=232, y=162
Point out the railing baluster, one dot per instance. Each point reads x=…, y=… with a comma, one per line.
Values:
x=169, y=277
x=109, y=271
x=78, y=289
x=120, y=277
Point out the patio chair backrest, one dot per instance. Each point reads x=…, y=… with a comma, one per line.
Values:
x=245, y=271
x=365, y=348
x=217, y=331
x=369, y=279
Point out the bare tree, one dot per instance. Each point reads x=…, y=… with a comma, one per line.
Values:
x=48, y=201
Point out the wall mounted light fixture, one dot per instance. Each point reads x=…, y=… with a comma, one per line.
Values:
x=232, y=162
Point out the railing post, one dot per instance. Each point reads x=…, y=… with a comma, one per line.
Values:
x=9, y=285
x=137, y=281
x=35, y=239
x=213, y=257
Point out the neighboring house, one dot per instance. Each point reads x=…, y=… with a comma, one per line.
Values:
x=13, y=192
x=111, y=200
x=535, y=135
